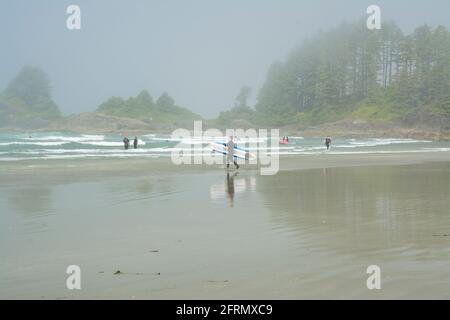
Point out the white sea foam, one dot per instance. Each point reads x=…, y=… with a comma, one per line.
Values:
x=84, y=137
x=49, y=143
x=381, y=142
x=59, y=146
x=109, y=143
x=210, y=139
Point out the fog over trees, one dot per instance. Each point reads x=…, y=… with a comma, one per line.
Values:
x=375, y=74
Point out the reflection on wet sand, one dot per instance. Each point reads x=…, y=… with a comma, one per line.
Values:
x=234, y=184
x=31, y=201
x=230, y=189
x=371, y=207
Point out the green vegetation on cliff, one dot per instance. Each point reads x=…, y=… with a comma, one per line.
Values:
x=142, y=107
x=380, y=76
x=241, y=115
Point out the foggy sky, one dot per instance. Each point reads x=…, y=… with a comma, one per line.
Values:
x=200, y=51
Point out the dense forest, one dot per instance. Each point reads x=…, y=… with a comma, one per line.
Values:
x=352, y=72
x=163, y=111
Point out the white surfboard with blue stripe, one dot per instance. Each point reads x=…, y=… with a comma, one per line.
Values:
x=239, y=153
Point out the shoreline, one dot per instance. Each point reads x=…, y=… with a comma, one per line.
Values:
x=151, y=166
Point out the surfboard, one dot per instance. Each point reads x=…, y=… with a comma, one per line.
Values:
x=239, y=153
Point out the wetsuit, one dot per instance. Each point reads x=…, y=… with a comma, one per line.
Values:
x=230, y=155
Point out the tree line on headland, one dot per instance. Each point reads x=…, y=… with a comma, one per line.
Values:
x=380, y=76
x=348, y=73
x=27, y=102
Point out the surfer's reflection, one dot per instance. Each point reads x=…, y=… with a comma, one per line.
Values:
x=230, y=189
x=234, y=187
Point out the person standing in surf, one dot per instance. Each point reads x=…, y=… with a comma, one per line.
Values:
x=135, y=142
x=328, y=142
x=126, y=143
x=230, y=155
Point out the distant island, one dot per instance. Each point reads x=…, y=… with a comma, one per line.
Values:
x=26, y=101
x=26, y=104
x=349, y=81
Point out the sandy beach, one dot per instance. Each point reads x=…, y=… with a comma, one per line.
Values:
x=194, y=232
x=144, y=166
x=224, y=154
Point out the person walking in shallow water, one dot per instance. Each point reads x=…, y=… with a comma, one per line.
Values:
x=328, y=142
x=230, y=155
x=135, y=142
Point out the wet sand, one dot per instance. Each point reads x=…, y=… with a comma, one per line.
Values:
x=140, y=166
x=195, y=232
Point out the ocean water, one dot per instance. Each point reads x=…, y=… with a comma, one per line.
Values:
x=63, y=145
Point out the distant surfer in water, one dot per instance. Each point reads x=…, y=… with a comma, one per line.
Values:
x=126, y=143
x=328, y=142
x=230, y=155
x=135, y=142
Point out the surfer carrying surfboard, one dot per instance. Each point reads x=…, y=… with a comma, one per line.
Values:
x=230, y=154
